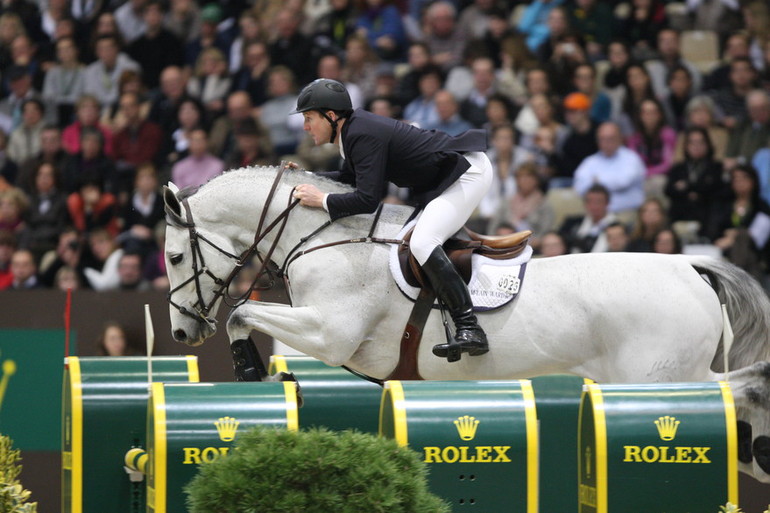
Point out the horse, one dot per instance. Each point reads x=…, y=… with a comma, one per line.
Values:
x=611, y=317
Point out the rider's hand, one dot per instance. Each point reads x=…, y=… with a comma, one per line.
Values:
x=309, y=195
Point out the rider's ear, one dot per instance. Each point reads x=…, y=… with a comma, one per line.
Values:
x=173, y=208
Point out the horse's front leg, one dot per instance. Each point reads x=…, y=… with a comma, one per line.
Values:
x=302, y=328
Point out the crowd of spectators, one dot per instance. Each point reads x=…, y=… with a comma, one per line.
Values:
x=101, y=101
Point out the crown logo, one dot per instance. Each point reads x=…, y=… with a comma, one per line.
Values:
x=667, y=427
x=226, y=427
x=466, y=427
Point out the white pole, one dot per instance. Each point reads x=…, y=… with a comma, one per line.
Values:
x=727, y=338
x=150, y=335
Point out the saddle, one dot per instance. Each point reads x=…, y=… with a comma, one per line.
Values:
x=461, y=248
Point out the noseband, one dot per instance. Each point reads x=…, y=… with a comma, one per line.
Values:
x=201, y=309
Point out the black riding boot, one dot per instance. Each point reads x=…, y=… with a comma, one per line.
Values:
x=452, y=292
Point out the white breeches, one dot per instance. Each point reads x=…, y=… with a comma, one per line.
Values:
x=447, y=214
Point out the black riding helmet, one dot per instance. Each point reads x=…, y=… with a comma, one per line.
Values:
x=324, y=95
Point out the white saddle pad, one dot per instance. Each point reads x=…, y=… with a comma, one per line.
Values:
x=493, y=283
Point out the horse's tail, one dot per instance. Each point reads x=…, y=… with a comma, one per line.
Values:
x=748, y=308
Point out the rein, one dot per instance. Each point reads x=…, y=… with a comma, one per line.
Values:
x=201, y=308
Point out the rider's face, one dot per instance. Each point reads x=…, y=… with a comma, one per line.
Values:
x=318, y=127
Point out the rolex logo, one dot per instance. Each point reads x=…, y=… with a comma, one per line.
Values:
x=226, y=427
x=466, y=427
x=667, y=427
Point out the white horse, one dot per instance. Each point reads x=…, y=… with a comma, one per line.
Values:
x=611, y=317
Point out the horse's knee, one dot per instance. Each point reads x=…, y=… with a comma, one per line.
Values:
x=237, y=326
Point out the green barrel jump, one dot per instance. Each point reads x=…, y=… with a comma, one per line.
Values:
x=331, y=396
x=658, y=447
x=193, y=424
x=479, y=439
x=103, y=416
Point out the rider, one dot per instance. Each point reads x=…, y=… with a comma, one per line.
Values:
x=453, y=173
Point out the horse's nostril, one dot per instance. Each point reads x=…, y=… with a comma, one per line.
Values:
x=180, y=335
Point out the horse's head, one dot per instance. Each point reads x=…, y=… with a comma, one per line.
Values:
x=195, y=268
x=751, y=390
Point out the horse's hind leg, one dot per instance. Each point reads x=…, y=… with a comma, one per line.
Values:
x=301, y=328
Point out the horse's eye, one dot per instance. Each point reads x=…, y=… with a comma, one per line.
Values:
x=175, y=259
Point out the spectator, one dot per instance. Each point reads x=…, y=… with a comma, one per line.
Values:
x=422, y=110
x=250, y=32
x=142, y=212
x=285, y=128
x=544, y=118
x=24, y=53
x=474, y=19
x=107, y=253
x=418, y=59
x=617, y=237
x=558, y=26
x=102, y=76
x=50, y=152
x=578, y=142
x=130, y=273
x=449, y=119
x=731, y=100
x=222, y=140
x=200, y=166
x=380, y=23
x=756, y=20
x=67, y=254
x=66, y=279
x=636, y=88
x=650, y=219
x=669, y=58
x=64, y=82
x=752, y=134
x=534, y=22
x=8, y=168
x=10, y=27
x=251, y=77
x=165, y=105
x=105, y=26
x=537, y=82
x=552, y=245
x=24, y=271
x=736, y=46
x=640, y=25
x=211, y=83
x=13, y=206
x=568, y=54
x=24, y=142
x=506, y=157
x=443, y=36
x=695, y=187
x=130, y=20
x=155, y=263
x=614, y=166
x=91, y=208
x=721, y=16
x=20, y=84
x=86, y=116
x=130, y=83
x=584, y=81
x=700, y=113
x=177, y=144
x=113, y=341
x=675, y=100
x=90, y=161
x=361, y=66
x=619, y=59
x=473, y=108
x=586, y=233
x=137, y=143
x=47, y=215
x=291, y=48
x=743, y=223
x=183, y=19
x=667, y=242
x=144, y=50
x=334, y=28
x=654, y=142
x=7, y=248
x=499, y=111
x=330, y=66
x=527, y=208
x=515, y=60
x=593, y=19
x=252, y=145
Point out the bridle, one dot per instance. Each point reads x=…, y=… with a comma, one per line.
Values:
x=201, y=309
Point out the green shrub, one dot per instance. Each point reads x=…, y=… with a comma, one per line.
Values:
x=314, y=471
x=13, y=497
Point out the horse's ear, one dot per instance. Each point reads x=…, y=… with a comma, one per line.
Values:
x=173, y=187
x=172, y=207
